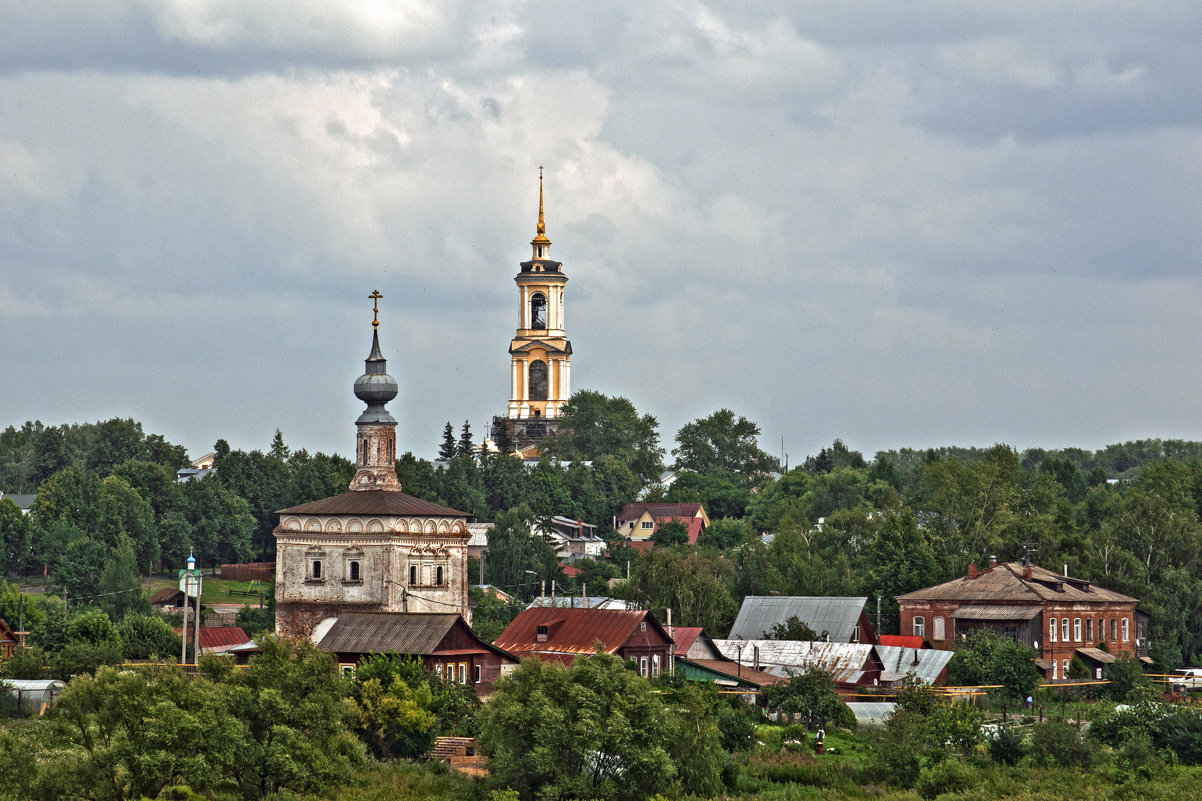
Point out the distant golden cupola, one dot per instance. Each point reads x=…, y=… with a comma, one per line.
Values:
x=540, y=353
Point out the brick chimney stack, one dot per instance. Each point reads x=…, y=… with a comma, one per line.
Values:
x=972, y=571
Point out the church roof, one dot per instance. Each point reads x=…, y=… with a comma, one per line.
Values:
x=373, y=502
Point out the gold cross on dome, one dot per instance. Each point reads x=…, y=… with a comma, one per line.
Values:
x=375, y=308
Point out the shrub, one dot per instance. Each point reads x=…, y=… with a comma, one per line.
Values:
x=1182, y=732
x=736, y=728
x=948, y=776
x=1006, y=745
x=1060, y=743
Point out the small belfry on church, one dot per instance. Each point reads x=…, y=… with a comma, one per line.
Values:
x=540, y=353
x=372, y=548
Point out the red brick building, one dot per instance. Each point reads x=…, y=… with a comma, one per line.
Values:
x=1059, y=616
x=556, y=634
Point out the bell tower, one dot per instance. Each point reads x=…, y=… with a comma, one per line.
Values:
x=540, y=353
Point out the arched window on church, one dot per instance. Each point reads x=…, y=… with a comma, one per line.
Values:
x=538, y=310
x=538, y=380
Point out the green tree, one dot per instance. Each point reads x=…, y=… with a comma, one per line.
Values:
x=465, y=446
x=722, y=443
x=278, y=449
x=726, y=534
x=592, y=424
x=593, y=730
x=722, y=494
x=513, y=549
x=794, y=628
x=16, y=538
x=448, y=449
x=813, y=696
x=987, y=658
x=693, y=586
x=672, y=533
x=296, y=717
x=145, y=636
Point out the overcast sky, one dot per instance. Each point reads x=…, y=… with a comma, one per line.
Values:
x=898, y=223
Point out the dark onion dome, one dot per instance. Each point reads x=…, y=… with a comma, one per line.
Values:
x=376, y=387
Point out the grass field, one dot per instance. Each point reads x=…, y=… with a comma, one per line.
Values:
x=216, y=590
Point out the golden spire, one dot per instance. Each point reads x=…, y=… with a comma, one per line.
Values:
x=541, y=239
x=375, y=308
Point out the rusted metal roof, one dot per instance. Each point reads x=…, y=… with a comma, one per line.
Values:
x=218, y=636
x=1007, y=582
x=577, y=631
x=846, y=662
x=373, y=502
x=996, y=612
x=684, y=636
x=837, y=616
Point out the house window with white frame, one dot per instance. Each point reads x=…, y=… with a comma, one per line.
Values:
x=643, y=667
x=1055, y=674
x=1066, y=668
x=647, y=524
x=1052, y=630
x=1077, y=629
x=920, y=626
x=1064, y=629
x=654, y=665
x=1126, y=630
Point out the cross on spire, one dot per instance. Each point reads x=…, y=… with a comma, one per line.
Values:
x=375, y=307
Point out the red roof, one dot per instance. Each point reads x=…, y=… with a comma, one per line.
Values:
x=660, y=511
x=218, y=636
x=571, y=632
x=569, y=571
x=901, y=640
x=684, y=637
x=691, y=514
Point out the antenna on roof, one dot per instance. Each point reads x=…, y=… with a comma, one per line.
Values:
x=1028, y=547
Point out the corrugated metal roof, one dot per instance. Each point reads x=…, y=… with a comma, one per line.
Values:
x=845, y=661
x=925, y=663
x=1006, y=582
x=997, y=612
x=218, y=636
x=576, y=602
x=387, y=632
x=1097, y=655
x=835, y=615
x=576, y=631
x=373, y=502
x=478, y=534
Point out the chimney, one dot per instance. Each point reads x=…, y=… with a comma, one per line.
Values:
x=972, y=571
x=1027, y=573
x=992, y=561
